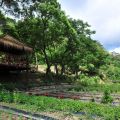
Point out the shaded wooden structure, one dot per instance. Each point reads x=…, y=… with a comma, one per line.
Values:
x=13, y=54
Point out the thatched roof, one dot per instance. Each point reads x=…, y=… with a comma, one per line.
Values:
x=11, y=45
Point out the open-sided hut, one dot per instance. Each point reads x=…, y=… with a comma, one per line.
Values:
x=13, y=54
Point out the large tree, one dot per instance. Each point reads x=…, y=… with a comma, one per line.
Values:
x=44, y=28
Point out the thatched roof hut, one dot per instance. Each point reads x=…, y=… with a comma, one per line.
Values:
x=11, y=45
x=12, y=48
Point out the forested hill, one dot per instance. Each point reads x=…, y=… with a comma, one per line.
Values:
x=57, y=39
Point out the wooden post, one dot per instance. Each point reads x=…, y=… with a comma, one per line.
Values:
x=36, y=61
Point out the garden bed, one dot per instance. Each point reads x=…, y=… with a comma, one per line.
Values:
x=39, y=104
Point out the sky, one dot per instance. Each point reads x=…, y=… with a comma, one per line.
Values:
x=102, y=15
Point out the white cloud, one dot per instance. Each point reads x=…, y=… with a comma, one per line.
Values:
x=102, y=15
x=117, y=50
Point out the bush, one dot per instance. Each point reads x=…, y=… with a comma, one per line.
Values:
x=20, y=97
x=6, y=96
x=91, y=68
x=112, y=72
x=113, y=88
x=86, y=80
x=106, y=97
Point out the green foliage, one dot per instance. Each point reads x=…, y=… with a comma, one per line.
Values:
x=57, y=39
x=113, y=88
x=6, y=96
x=106, y=97
x=112, y=67
x=86, y=80
x=41, y=103
x=20, y=97
x=113, y=72
x=2, y=22
x=91, y=67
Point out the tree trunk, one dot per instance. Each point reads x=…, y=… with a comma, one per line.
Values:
x=56, y=69
x=76, y=73
x=62, y=69
x=36, y=61
x=47, y=62
x=48, y=69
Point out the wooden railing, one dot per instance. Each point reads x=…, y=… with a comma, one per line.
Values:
x=10, y=60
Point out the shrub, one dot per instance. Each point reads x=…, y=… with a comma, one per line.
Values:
x=6, y=96
x=20, y=97
x=106, y=97
x=91, y=68
x=86, y=80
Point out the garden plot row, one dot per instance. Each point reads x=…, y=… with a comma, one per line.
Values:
x=51, y=87
x=76, y=96
x=60, y=90
x=96, y=95
x=64, y=88
x=65, y=95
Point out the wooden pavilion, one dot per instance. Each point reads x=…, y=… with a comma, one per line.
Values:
x=13, y=54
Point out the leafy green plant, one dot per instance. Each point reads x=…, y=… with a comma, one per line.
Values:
x=107, y=98
x=20, y=97
x=113, y=88
x=6, y=96
x=40, y=103
x=85, y=80
x=10, y=116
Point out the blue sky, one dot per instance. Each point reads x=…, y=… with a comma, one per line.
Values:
x=102, y=15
